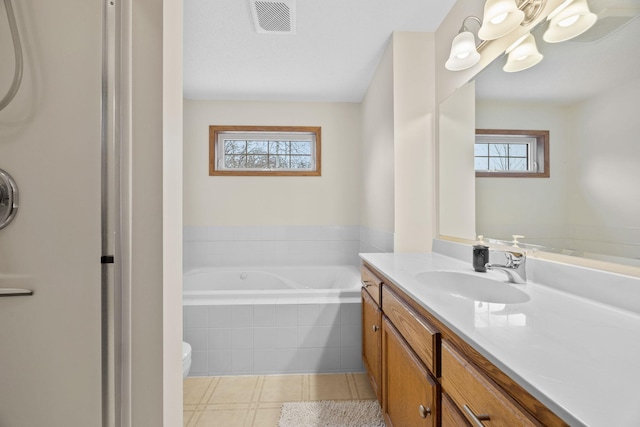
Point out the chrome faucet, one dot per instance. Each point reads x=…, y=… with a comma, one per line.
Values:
x=514, y=268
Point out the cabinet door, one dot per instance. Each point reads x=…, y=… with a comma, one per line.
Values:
x=371, y=341
x=410, y=394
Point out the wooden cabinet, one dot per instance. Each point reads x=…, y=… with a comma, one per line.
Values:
x=451, y=415
x=409, y=392
x=422, y=337
x=371, y=341
x=372, y=283
x=479, y=399
x=426, y=375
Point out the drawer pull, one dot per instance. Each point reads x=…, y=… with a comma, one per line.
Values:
x=424, y=412
x=477, y=419
x=367, y=283
x=375, y=328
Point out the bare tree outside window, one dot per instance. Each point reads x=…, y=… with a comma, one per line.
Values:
x=502, y=157
x=501, y=153
x=250, y=150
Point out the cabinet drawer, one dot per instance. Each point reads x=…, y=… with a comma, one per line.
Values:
x=372, y=283
x=451, y=415
x=476, y=395
x=421, y=336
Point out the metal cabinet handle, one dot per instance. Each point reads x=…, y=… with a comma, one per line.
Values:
x=424, y=412
x=476, y=419
x=375, y=328
x=367, y=283
x=15, y=292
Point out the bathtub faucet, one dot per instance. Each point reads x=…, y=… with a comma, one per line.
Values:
x=514, y=268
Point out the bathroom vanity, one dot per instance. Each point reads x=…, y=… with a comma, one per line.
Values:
x=445, y=346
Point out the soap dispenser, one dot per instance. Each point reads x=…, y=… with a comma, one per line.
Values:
x=480, y=255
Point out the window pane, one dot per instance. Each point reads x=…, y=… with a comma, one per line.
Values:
x=282, y=162
x=272, y=162
x=518, y=150
x=278, y=147
x=258, y=162
x=498, y=164
x=517, y=164
x=482, y=163
x=234, y=147
x=257, y=147
x=235, y=161
x=300, y=162
x=252, y=150
x=499, y=149
x=301, y=147
x=511, y=151
x=482, y=149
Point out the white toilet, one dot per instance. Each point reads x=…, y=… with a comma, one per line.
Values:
x=186, y=359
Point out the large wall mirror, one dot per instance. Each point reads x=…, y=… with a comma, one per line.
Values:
x=586, y=93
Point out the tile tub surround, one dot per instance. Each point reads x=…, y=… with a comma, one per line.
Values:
x=270, y=246
x=282, y=338
x=576, y=355
x=255, y=401
x=280, y=245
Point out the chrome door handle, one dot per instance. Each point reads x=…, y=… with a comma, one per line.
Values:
x=375, y=328
x=15, y=292
x=476, y=419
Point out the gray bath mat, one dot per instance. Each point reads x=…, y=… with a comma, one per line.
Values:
x=331, y=413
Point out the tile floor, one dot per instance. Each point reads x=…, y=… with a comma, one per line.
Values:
x=254, y=401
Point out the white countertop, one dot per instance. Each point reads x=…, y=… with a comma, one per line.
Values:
x=579, y=357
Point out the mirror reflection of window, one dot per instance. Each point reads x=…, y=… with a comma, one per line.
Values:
x=511, y=153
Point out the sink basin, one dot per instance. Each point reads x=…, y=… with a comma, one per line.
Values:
x=472, y=287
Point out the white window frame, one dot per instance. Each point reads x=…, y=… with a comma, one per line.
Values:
x=219, y=134
x=538, y=151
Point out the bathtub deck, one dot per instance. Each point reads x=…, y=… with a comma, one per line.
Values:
x=255, y=401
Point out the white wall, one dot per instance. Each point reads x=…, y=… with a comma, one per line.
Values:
x=332, y=199
x=172, y=213
x=377, y=195
x=457, y=208
x=414, y=140
x=533, y=207
x=146, y=209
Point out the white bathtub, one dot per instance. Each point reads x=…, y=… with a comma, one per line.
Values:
x=273, y=320
x=269, y=285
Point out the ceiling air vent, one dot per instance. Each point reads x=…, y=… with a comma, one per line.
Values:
x=274, y=17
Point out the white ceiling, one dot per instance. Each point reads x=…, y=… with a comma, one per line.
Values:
x=331, y=58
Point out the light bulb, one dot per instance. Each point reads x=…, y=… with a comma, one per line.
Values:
x=569, y=21
x=499, y=18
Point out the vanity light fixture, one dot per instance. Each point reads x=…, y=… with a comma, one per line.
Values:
x=500, y=18
x=522, y=54
x=569, y=20
x=464, y=53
